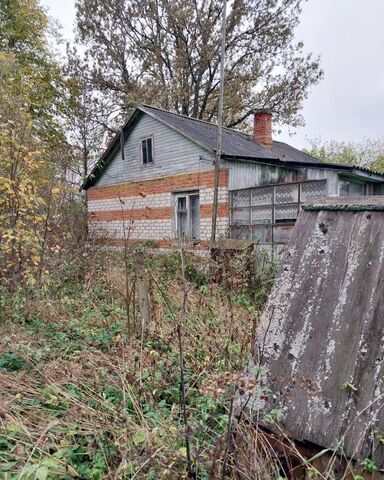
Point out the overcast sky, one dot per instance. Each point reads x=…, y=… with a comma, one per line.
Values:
x=349, y=35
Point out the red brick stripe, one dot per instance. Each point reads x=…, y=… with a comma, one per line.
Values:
x=159, y=185
x=156, y=213
x=159, y=213
x=222, y=210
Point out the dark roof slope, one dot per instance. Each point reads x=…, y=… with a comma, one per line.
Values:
x=235, y=144
x=287, y=153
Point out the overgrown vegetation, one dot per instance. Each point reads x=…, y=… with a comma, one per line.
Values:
x=83, y=399
x=88, y=393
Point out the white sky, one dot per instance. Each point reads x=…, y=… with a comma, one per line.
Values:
x=349, y=35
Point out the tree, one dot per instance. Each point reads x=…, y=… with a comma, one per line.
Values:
x=367, y=153
x=31, y=139
x=21, y=160
x=23, y=35
x=80, y=115
x=166, y=52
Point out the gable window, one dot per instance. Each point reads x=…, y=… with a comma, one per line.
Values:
x=187, y=215
x=147, y=151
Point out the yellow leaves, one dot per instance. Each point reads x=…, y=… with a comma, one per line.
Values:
x=6, y=187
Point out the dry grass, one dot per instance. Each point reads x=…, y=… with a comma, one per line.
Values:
x=80, y=398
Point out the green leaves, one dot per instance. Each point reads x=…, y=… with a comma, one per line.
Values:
x=46, y=469
x=169, y=55
x=12, y=361
x=369, y=465
x=349, y=387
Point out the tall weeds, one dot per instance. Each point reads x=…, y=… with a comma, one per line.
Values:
x=83, y=397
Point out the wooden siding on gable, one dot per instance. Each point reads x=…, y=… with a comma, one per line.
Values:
x=172, y=154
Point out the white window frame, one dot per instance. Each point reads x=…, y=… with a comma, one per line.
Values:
x=144, y=139
x=187, y=196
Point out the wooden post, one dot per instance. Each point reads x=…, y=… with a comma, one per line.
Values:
x=142, y=292
x=219, y=127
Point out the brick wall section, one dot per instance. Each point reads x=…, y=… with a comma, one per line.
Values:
x=145, y=210
x=262, y=128
x=160, y=185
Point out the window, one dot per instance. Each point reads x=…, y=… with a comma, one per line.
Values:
x=351, y=189
x=268, y=214
x=147, y=151
x=187, y=218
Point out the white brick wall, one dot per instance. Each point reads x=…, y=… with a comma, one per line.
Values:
x=156, y=200
x=206, y=195
x=136, y=230
x=221, y=227
x=153, y=229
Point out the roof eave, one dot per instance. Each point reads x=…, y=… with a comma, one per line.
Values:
x=358, y=171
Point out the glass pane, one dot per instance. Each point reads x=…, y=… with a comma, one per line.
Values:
x=261, y=215
x=149, y=150
x=311, y=190
x=282, y=234
x=144, y=151
x=182, y=223
x=262, y=196
x=286, y=212
x=240, y=216
x=262, y=234
x=287, y=193
x=195, y=214
x=240, y=198
x=350, y=189
x=182, y=203
x=240, y=232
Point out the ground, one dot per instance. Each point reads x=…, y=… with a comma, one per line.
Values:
x=85, y=393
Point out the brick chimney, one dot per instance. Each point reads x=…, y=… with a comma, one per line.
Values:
x=262, y=127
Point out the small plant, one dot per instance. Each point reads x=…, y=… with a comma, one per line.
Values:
x=12, y=362
x=274, y=416
x=349, y=386
x=369, y=465
x=379, y=435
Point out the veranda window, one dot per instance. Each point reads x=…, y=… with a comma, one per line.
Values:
x=268, y=214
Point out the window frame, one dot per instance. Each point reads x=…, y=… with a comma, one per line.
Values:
x=274, y=224
x=187, y=195
x=142, y=140
x=348, y=181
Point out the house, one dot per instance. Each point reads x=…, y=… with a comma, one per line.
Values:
x=160, y=184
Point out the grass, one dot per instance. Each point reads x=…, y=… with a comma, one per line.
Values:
x=82, y=398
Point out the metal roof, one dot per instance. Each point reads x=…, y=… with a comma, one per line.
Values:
x=235, y=144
